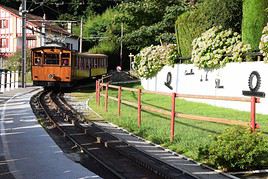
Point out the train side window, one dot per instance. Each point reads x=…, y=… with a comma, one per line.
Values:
x=86, y=63
x=83, y=64
x=95, y=62
x=77, y=62
x=65, y=59
x=102, y=63
x=90, y=62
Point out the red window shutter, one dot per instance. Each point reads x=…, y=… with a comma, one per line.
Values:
x=1, y=42
x=6, y=23
x=7, y=43
x=4, y=42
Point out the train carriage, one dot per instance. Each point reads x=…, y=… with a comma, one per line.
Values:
x=58, y=66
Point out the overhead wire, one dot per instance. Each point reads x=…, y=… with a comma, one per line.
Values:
x=51, y=9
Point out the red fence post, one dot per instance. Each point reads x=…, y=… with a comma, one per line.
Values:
x=97, y=92
x=106, y=97
x=139, y=108
x=119, y=100
x=99, y=86
x=172, y=123
x=253, y=113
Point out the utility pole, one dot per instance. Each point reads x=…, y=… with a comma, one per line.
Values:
x=24, y=45
x=81, y=35
x=43, y=31
x=121, y=45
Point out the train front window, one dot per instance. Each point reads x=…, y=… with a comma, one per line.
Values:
x=37, y=61
x=65, y=62
x=37, y=54
x=37, y=58
x=65, y=59
x=51, y=59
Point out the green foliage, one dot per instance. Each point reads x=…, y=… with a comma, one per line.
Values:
x=216, y=47
x=191, y=24
x=237, y=148
x=254, y=19
x=101, y=31
x=264, y=43
x=152, y=59
x=144, y=36
x=150, y=22
x=100, y=26
x=13, y=62
x=145, y=22
x=107, y=47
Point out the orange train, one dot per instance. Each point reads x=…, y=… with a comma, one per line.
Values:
x=59, y=66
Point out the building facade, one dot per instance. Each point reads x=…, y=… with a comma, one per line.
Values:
x=37, y=29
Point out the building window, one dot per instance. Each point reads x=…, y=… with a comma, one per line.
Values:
x=3, y=23
x=3, y=43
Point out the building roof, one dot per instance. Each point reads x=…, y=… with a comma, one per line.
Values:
x=49, y=26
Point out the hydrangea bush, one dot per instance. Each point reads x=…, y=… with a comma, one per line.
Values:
x=151, y=59
x=264, y=44
x=216, y=47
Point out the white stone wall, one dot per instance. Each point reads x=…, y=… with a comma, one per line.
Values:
x=233, y=77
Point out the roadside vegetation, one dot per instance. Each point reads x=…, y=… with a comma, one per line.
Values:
x=13, y=63
x=196, y=139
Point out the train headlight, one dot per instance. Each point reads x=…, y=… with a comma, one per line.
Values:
x=51, y=76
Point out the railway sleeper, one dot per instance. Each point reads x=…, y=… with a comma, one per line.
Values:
x=140, y=158
x=109, y=142
x=132, y=153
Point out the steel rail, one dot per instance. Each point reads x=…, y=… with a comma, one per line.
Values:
x=73, y=140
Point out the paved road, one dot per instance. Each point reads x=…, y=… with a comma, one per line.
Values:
x=26, y=150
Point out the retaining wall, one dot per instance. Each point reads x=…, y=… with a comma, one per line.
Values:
x=232, y=80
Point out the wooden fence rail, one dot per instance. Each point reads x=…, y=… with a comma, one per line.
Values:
x=172, y=113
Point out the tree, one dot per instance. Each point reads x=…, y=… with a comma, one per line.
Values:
x=209, y=13
x=254, y=19
x=14, y=62
x=150, y=22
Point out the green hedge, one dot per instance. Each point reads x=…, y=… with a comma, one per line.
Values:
x=254, y=19
x=237, y=148
x=191, y=24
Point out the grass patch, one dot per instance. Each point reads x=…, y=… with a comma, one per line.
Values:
x=190, y=135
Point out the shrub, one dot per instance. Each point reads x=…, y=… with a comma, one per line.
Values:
x=237, y=148
x=151, y=59
x=107, y=47
x=216, y=47
x=254, y=19
x=264, y=43
x=13, y=62
x=191, y=24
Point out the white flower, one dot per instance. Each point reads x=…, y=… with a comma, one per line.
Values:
x=210, y=49
x=265, y=39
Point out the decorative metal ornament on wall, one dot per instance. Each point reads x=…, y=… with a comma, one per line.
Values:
x=168, y=80
x=191, y=72
x=254, y=84
x=218, y=83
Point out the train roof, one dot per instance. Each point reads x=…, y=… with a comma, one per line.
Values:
x=92, y=54
x=50, y=46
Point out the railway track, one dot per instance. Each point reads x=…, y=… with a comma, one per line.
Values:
x=121, y=159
